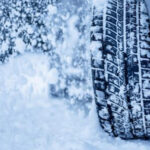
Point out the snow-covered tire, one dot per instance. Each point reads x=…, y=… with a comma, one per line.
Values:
x=120, y=60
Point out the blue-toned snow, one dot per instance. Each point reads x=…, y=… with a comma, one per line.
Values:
x=31, y=120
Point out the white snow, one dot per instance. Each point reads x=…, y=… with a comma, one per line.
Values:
x=20, y=45
x=99, y=3
x=4, y=46
x=104, y=113
x=145, y=53
x=30, y=120
x=98, y=36
x=52, y=9
x=146, y=84
x=29, y=29
x=147, y=2
x=146, y=93
x=27, y=74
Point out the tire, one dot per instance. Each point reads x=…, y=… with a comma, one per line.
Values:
x=120, y=60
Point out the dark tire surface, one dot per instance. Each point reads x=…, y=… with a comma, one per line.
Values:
x=120, y=60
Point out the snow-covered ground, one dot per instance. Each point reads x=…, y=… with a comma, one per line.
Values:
x=31, y=120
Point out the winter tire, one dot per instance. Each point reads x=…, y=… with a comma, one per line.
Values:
x=120, y=60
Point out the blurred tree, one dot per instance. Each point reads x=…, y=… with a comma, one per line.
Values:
x=61, y=31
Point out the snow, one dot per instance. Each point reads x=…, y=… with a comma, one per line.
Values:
x=99, y=3
x=96, y=45
x=20, y=45
x=4, y=46
x=98, y=36
x=104, y=113
x=146, y=73
x=34, y=75
x=29, y=29
x=146, y=84
x=52, y=9
x=146, y=93
x=147, y=2
x=31, y=120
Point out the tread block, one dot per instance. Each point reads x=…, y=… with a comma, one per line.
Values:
x=111, y=19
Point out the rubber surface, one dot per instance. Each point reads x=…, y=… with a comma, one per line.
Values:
x=120, y=56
